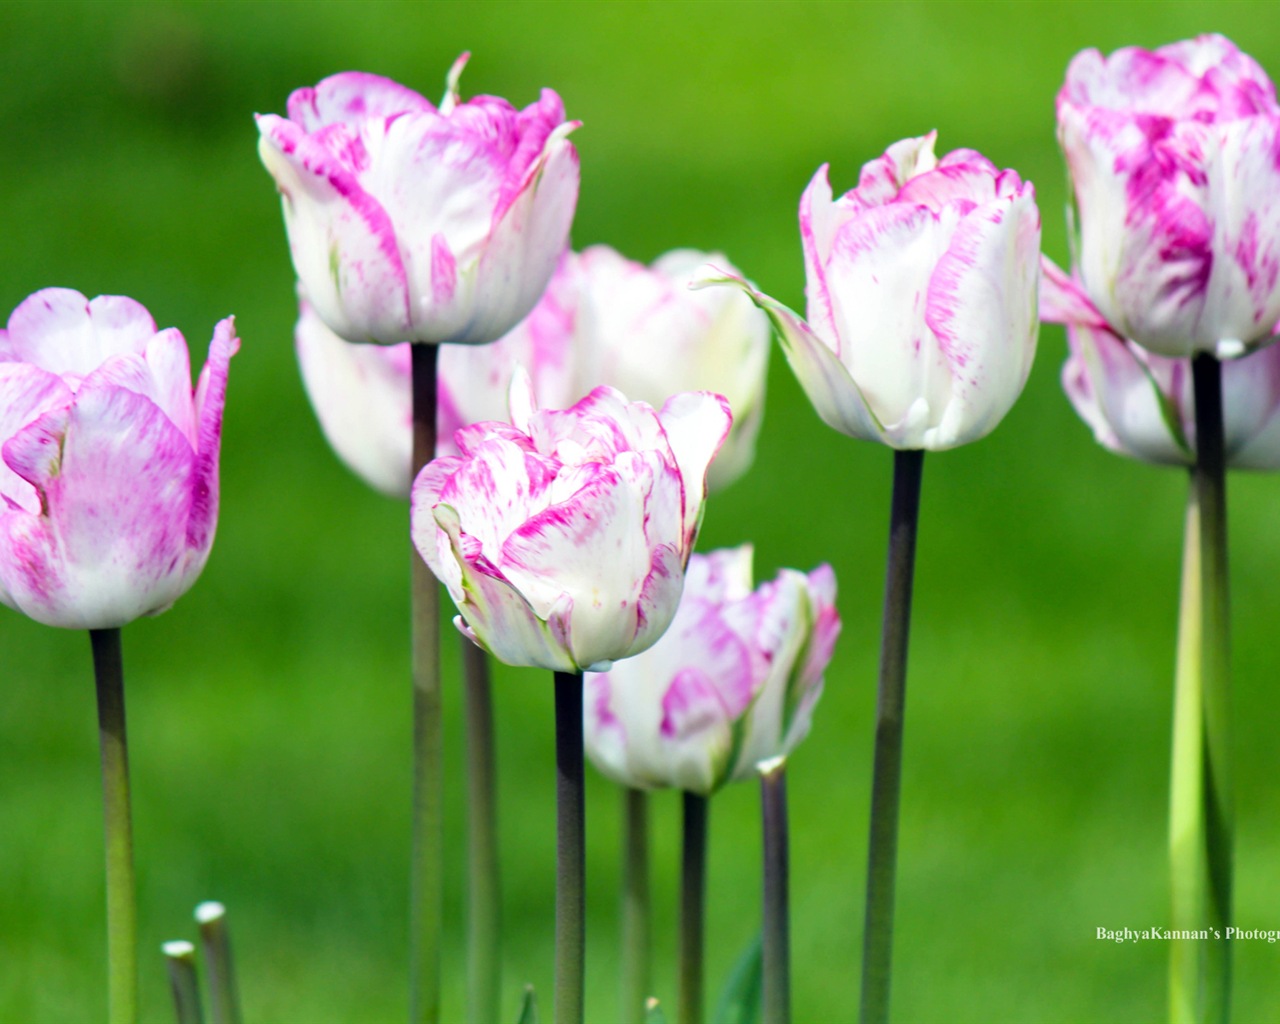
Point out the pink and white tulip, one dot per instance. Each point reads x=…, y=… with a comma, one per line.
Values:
x=562, y=537
x=732, y=683
x=603, y=320
x=921, y=287
x=1173, y=162
x=1142, y=405
x=109, y=477
x=409, y=222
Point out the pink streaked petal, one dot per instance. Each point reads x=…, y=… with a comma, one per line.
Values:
x=58, y=329
x=497, y=616
x=26, y=393
x=444, y=271
x=1063, y=299
x=118, y=496
x=592, y=546
x=526, y=241
x=696, y=424
x=659, y=597
x=882, y=177
x=721, y=575
x=820, y=218
x=344, y=245
x=966, y=180
x=352, y=96
x=497, y=490
x=982, y=308
x=210, y=400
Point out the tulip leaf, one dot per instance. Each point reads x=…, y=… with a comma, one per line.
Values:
x=739, y=1001
x=528, y=1007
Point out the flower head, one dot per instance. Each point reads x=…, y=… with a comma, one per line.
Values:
x=562, y=536
x=409, y=222
x=109, y=476
x=732, y=683
x=1174, y=156
x=921, y=286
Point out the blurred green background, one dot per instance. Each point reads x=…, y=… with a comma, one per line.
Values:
x=269, y=709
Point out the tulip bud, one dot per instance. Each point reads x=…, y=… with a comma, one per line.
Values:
x=109, y=478
x=1172, y=156
x=412, y=223
x=921, y=286
x=732, y=683
x=563, y=536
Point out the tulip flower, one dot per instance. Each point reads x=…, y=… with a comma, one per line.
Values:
x=733, y=682
x=110, y=462
x=921, y=297
x=1141, y=405
x=640, y=329
x=1177, y=188
x=563, y=536
x=603, y=320
x=409, y=222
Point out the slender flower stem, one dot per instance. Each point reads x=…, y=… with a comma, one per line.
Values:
x=1188, y=866
x=180, y=958
x=693, y=901
x=635, y=905
x=224, y=995
x=122, y=910
x=426, y=873
x=1209, y=483
x=886, y=780
x=484, y=911
x=776, y=934
x=571, y=851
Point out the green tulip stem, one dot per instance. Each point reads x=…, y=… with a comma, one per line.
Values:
x=122, y=910
x=1201, y=815
x=180, y=959
x=571, y=851
x=636, y=914
x=484, y=892
x=426, y=883
x=886, y=779
x=693, y=902
x=776, y=933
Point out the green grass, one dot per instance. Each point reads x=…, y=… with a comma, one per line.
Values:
x=269, y=708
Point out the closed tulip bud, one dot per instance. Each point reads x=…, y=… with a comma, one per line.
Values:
x=562, y=537
x=109, y=477
x=921, y=287
x=409, y=222
x=1172, y=156
x=732, y=683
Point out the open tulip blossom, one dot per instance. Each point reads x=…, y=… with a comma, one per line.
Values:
x=1172, y=155
x=409, y=222
x=110, y=461
x=563, y=536
x=921, y=287
x=732, y=683
x=1141, y=404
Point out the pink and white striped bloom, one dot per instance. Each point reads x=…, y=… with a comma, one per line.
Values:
x=563, y=536
x=603, y=320
x=412, y=223
x=732, y=683
x=1173, y=161
x=109, y=477
x=1142, y=405
x=921, y=287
